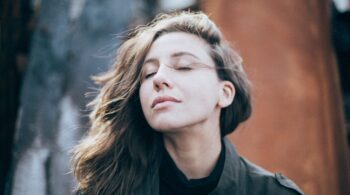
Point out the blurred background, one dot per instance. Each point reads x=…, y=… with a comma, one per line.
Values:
x=296, y=53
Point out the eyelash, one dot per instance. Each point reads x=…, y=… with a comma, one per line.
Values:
x=184, y=68
x=149, y=75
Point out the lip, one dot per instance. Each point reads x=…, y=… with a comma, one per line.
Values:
x=162, y=99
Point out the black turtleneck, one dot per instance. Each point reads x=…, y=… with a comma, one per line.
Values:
x=172, y=181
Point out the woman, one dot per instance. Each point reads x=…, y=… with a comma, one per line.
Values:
x=158, y=124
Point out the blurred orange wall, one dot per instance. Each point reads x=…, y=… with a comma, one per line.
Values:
x=297, y=126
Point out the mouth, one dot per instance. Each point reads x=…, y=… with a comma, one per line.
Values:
x=162, y=99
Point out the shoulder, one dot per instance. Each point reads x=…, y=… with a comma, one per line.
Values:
x=259, y=180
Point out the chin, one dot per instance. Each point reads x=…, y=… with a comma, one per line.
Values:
x=166, y=128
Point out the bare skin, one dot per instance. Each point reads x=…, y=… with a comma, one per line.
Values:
x=195, y=150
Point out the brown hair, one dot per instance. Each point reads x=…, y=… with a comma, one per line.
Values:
x=121, y=148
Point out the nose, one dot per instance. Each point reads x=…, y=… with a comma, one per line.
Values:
x=161, y=79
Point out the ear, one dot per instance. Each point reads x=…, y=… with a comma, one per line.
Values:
x=227, y=94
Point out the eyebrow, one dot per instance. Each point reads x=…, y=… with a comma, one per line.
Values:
x=174, y=55
x=182, y=53
x=150, y=60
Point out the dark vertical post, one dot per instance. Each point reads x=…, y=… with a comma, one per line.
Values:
x=14, y=42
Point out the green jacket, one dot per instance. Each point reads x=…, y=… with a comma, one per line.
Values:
x=239, y=177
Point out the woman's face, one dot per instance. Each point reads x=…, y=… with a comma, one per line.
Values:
x=180, y=87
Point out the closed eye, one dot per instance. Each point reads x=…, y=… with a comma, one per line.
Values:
x=148, y=75
x=184, y=68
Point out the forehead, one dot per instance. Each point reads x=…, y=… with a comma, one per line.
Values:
x=168, y=44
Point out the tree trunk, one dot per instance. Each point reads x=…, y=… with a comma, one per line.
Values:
x=297, y=126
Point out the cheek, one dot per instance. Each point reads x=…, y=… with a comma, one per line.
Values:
x=206, y=99
x=206, y=92
x=144, y=96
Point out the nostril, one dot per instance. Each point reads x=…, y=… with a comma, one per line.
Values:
x=160, y=82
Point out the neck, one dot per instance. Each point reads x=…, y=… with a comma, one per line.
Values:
x=195, y=151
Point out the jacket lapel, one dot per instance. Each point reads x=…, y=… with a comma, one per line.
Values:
x=231, y=175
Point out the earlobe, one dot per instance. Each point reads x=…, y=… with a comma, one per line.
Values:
x=227, y=94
